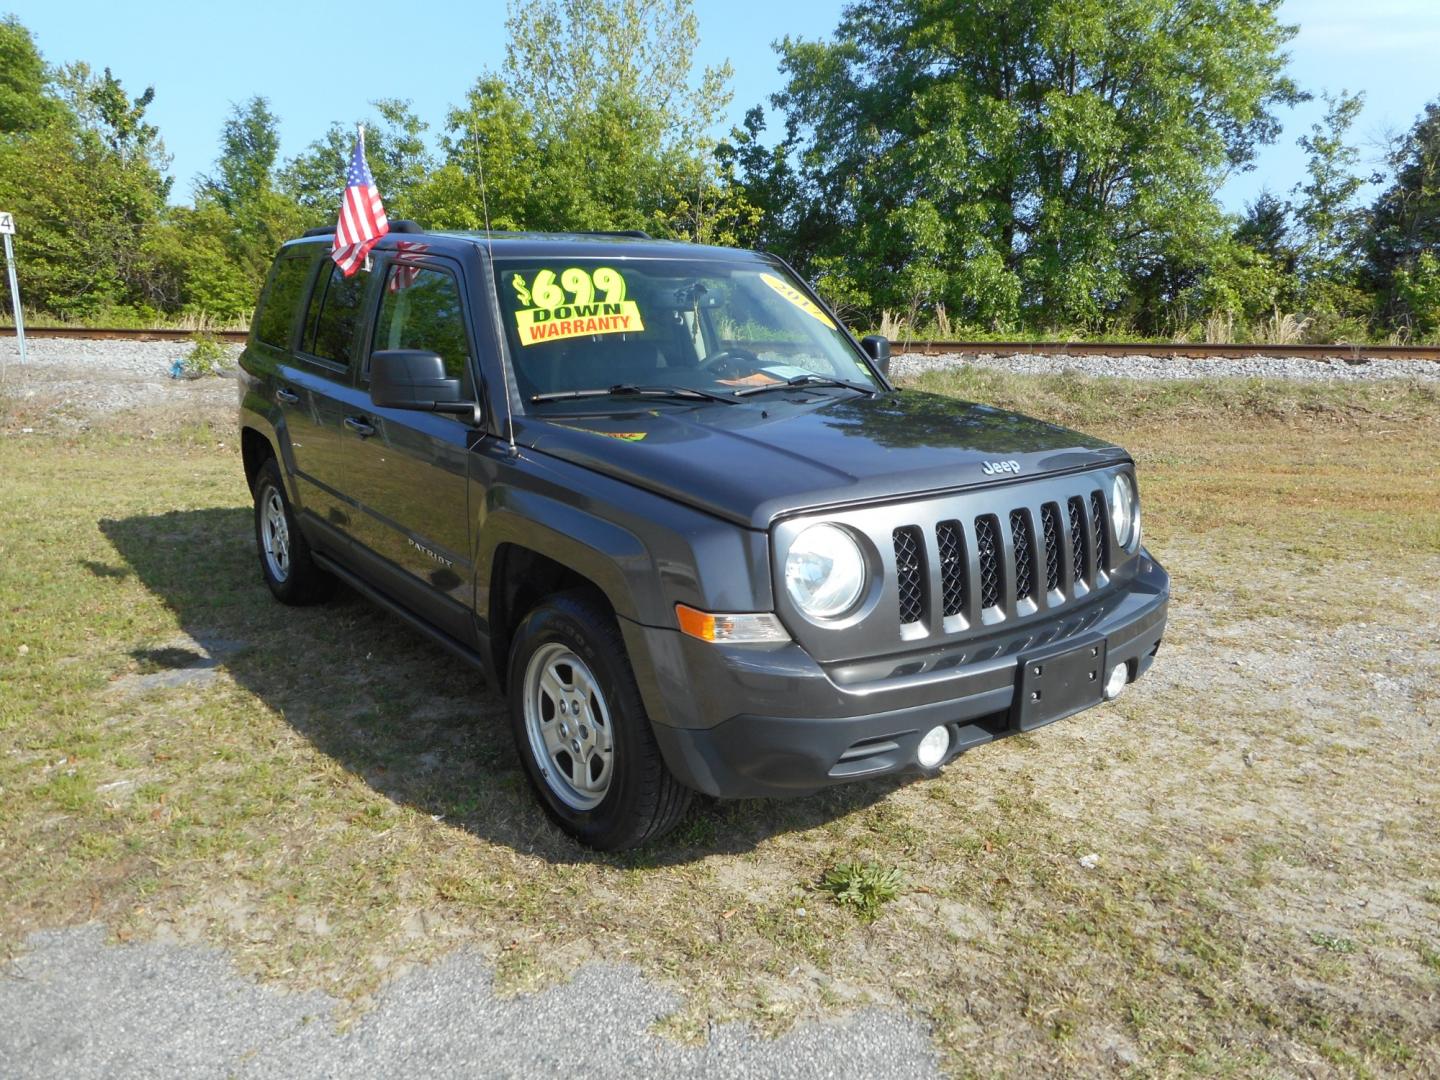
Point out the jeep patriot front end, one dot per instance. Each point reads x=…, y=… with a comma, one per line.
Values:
x=681, y=517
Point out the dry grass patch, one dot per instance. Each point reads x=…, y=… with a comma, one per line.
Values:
x=1232, y=869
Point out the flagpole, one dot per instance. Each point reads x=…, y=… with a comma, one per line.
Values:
x=361, y=129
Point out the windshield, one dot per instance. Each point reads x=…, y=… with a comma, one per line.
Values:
x=712, y=327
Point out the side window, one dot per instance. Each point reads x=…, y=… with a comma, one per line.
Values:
x=421, y=310
x=282, y=297
x=334, y=312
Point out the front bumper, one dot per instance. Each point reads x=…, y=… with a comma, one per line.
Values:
x=746, y=721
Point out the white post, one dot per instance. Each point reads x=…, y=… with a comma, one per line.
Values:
x=7, y=226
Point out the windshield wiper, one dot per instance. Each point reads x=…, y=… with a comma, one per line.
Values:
x=808, y=379
x=627, y=390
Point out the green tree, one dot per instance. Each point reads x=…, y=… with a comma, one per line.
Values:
x=1405, y=226
x=395, y=149
x=25, y=101
x=1329, y=219
x=1021, y=159
x=89, y=185
x=594, y=124
x=244, y=188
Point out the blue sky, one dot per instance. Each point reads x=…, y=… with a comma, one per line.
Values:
x=323, y=62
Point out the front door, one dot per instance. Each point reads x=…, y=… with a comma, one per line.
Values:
x=407, y=469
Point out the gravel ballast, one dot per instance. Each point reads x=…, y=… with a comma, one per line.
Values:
x=1163, y=367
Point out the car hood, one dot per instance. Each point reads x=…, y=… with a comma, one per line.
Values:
x=763, y=459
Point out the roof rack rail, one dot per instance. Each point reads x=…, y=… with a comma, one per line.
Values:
x=404, y=225
x=638, y=234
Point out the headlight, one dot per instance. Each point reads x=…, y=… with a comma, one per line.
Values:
x=824, y=571
x=1125, y=511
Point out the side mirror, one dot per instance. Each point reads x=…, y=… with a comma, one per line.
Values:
x=414, y=379
x=877, y=348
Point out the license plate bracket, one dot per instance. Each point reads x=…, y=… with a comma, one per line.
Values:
x=1054, y=683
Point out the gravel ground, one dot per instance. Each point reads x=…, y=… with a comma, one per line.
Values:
x=57, y=385
x=160, y=1010
x=1155, y=367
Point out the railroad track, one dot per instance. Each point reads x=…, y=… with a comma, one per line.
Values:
x=90, y=333
x=1352, y=353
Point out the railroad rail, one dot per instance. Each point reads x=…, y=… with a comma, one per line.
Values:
x=1160, y=350
x=91, y=333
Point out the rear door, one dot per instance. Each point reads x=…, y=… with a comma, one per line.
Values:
x=315, y=373
x=323, y=375
x=407, y=469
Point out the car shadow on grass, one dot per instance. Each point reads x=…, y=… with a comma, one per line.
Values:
x=394, y=709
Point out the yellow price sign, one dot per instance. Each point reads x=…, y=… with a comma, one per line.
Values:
x=799, y=299
x=565, y=305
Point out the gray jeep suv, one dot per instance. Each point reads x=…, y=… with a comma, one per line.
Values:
x=662, y=498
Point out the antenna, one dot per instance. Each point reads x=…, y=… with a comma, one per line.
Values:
x=494, y=299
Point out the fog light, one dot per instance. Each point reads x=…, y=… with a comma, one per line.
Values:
x=1116, y=682
x=933, y=746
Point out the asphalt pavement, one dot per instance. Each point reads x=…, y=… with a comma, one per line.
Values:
x=72, y=1006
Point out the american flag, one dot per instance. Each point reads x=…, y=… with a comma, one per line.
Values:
x=362, y=215
x=402, y=276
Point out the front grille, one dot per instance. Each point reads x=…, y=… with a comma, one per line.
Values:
x=1102, y=539
x=1050, y=526
x=1024, y=555
x=908, y=574
x=971, y=568
x=951, y=541
x=987, y=545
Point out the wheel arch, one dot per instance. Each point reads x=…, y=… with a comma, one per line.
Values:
x=255, y=450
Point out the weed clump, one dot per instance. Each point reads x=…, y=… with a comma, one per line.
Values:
x=865, y=887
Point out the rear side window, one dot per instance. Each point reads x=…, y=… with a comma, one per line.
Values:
x=334, y=313
x=421, y=310
x=282, y=297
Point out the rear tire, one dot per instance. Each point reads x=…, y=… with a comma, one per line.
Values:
x=581, y=729
x=285, y=560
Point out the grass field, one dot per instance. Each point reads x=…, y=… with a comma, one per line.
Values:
x=1233, y=869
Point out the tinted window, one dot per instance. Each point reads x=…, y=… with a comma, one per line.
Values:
x=282, y=297
x=334, y=312
x=421, y=310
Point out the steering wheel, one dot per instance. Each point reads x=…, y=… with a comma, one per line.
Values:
x=725, y=358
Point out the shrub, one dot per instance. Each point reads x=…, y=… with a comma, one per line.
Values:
x=206, y=357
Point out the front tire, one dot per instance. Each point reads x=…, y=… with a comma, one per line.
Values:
x=285, y=561
x=581, y=729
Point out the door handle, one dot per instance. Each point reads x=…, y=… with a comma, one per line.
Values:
x=359, y=426
x=289, y=397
